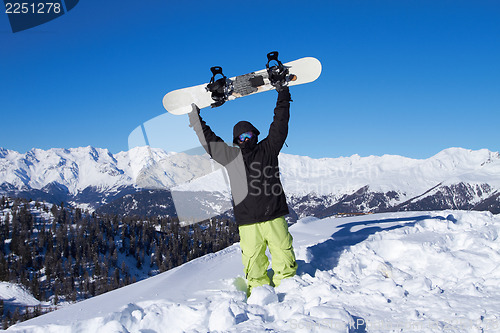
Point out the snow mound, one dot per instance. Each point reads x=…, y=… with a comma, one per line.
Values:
x=412, y=271
x=263, y=296
x=441, y=274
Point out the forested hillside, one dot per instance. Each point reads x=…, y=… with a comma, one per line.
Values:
x=61, y=254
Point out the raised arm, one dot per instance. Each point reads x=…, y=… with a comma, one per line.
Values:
x=278, y=130
x=214, y=145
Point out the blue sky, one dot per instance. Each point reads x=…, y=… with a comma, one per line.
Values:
x=399, y=77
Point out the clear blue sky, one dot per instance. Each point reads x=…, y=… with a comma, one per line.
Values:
x=399, y=77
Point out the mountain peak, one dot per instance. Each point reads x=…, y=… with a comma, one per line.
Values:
x=77, y=169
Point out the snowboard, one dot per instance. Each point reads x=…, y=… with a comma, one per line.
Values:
x=216, y=92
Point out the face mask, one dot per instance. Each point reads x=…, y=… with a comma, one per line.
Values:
x=249, y=144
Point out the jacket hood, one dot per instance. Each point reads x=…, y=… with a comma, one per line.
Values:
x=242, y=127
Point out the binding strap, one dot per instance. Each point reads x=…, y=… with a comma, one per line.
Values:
x=217, y=87
x=277, y=74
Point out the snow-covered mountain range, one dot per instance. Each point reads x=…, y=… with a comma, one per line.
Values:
x=94, y=178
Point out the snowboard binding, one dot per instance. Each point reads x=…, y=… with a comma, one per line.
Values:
x=278, y=74
x=220, y=89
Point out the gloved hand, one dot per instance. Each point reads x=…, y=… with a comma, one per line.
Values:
x=279, y=86
x=284, y=94
x=194, y=115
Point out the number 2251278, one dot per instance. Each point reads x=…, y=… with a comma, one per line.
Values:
x=32, y=8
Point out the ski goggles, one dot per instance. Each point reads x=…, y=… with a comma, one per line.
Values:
x=244, y=136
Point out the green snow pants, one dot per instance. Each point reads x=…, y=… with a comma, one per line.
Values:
x=254, y=239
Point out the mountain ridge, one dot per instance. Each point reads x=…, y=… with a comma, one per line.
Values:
x=93, y=178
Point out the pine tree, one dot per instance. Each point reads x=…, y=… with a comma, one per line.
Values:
x=116, y=276
x=92, y=289
x=138, y=258
x=6, y=226
x=35, y=286
x=16, y=316
x=4, y=268
x=55, y=300
x=114, y=257
x=6, y=321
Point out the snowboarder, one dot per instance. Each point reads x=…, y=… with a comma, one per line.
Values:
x=258, y=198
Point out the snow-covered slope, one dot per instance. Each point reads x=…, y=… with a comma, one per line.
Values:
x=16, y=294
x=405, y=271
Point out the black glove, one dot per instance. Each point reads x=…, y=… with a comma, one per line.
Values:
x=279, y=86
x=284, y=94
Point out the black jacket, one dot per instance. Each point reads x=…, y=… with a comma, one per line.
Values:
x=252, y=167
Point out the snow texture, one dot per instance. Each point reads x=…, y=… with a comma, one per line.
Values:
x=392, y=272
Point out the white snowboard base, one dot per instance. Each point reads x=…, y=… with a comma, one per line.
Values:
x=179, y=101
